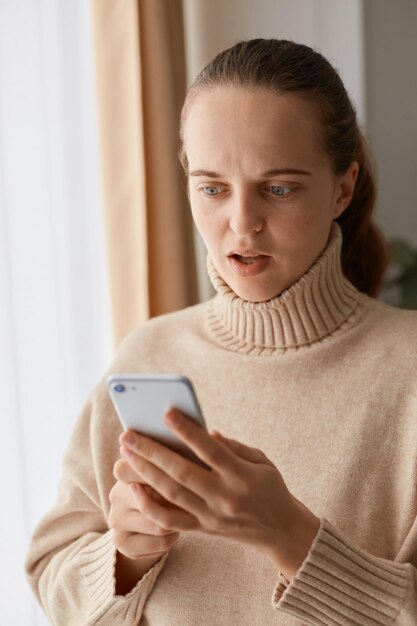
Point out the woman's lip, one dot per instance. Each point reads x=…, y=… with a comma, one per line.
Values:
x=252, y=269
x=247, y=252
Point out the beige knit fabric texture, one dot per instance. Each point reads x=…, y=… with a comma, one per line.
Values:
x=324, y=380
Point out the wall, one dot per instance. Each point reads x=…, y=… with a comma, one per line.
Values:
x=332, y=26
x=391, y=110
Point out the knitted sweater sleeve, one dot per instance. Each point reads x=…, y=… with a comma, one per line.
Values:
x=340, y=583
x=71, y=558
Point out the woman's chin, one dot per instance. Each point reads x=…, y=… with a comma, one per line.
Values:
x=254, y=293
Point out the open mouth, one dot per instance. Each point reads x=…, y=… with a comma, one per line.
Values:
x=248, y=260
x=249, y=265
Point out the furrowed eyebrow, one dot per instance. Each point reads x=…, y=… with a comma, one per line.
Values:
x=276, y=172
x=286, y=170
x=205, y=173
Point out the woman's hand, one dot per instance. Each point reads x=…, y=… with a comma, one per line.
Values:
x=135, y=535
x=139, y=541
x=242, y=498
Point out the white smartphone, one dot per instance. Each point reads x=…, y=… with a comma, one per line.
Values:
x=141, y=401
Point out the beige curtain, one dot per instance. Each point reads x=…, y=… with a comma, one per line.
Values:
x=141, y=83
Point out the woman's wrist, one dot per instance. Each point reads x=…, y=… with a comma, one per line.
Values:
x=128, y=572
x=303, y=531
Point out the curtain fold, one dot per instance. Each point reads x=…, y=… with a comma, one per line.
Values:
x=141, y=83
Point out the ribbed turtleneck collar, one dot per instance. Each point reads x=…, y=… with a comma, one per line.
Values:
x=318, y=304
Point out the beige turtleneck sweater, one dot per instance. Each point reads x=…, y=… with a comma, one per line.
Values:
x=324, y=380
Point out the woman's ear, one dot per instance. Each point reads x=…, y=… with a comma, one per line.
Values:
x=345, y=188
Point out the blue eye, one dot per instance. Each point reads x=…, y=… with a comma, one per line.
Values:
x=210, y=190
x=279, y=190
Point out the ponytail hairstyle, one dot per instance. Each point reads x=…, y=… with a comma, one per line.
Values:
x=285, y=66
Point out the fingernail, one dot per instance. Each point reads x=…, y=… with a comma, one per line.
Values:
x=126, y=452
x=173, y=417
x=128, y=439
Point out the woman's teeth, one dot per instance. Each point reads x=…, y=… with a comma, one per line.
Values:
x=247, y=260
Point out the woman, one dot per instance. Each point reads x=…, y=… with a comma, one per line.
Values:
x=312, y=494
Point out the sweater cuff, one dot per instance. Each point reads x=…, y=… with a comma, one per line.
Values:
x=97, y=563
x=340, y=583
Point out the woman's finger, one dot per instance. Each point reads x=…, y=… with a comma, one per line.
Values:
x=144, y=452
x=167, y=486
x=254, y=455
x=156, y=496
x=139, y=545
x=212, y=452
x=136, y=522
x=173, y=518
x=123, y=471
x=215, y=454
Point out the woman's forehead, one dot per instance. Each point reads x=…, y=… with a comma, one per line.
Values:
x=251, y=101
x=229, y=124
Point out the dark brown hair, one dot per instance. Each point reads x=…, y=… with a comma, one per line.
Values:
x=286, y=66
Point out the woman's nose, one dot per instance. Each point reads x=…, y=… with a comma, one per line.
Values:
x=245, y=218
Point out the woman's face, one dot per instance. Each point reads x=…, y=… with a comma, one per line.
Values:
x=260, y=184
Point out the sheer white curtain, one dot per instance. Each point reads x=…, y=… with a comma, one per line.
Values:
x=55, y=335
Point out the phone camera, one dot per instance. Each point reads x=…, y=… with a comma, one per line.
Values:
x=119, y=388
